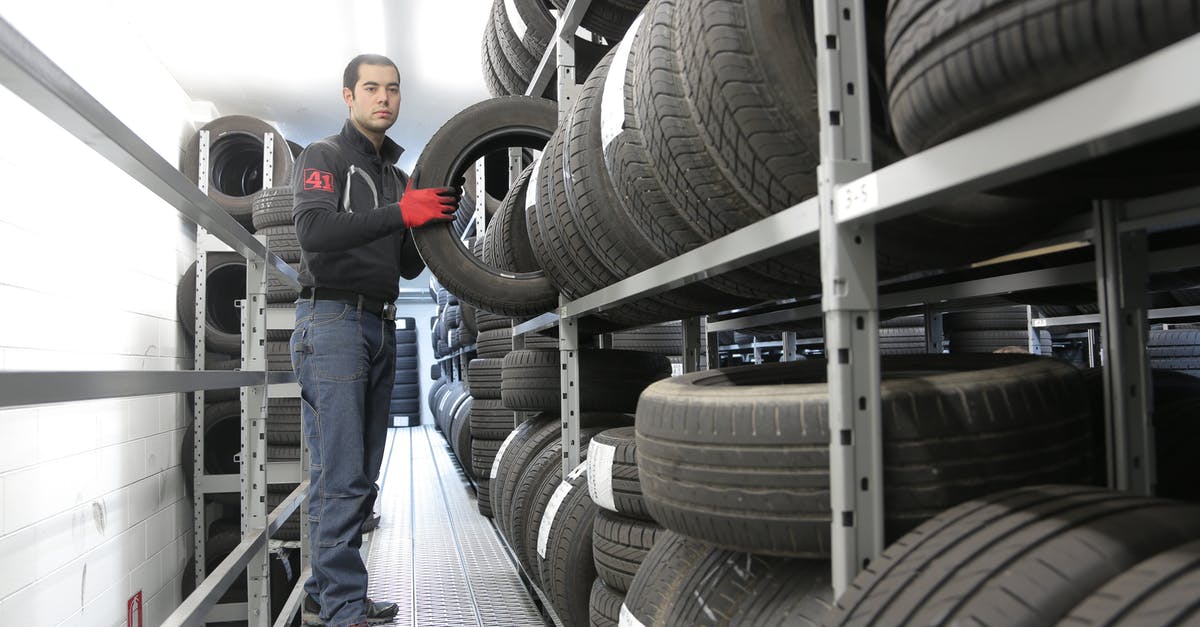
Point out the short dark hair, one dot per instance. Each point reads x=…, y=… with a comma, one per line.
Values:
x=350, y=76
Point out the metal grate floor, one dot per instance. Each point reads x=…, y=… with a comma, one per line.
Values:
x=434, y=554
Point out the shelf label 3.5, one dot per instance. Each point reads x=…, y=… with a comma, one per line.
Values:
x=857, y=197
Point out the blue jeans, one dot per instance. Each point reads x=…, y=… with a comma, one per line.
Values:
x=345, y=360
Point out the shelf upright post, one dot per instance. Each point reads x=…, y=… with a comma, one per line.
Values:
x=480, y=199
x=568, y=90
x=850, y=292
x=1121, y=282
x=934, y=334
x=199, y=526
x=789, y=346
x=568, y=346
x=691, y=344
x=254, y=418
x=254, y=448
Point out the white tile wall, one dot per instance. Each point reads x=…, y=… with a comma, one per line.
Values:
x=92, y=500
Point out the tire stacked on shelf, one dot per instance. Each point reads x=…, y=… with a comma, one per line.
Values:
x=992, y=330
x=235, y=163
x=405, y=404
x=517, y=33
x=1055, y=555
x=710, y=471
x=623, y=532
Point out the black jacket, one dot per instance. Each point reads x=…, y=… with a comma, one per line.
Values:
x=352, y=239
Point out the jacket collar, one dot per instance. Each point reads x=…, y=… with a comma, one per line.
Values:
x=390, y=151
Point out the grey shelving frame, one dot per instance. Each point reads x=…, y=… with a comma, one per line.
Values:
x=32, y=76
x=853, y=198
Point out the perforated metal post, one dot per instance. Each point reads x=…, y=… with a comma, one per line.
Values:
x=849, y=291
x=254, y=440
x=480, y=199
x=789, y=346
x=934, y=334
x=568, y=346
x=691, y=344
x=199, y=529
x=568, y=90
x=1121, y=283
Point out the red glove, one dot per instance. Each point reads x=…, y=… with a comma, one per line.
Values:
x=419, y=207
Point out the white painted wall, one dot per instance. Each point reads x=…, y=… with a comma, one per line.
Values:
x=92, y=500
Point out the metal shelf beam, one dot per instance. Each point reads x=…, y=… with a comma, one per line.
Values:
x=1143, y=100
x=22, y=388
x=547, y=68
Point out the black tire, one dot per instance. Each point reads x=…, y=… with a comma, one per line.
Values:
x=225, y=282
x=1054, y=544
x=281, y=291
x=483, y=378
x=506, y=246
x=999, y=319
x=613, y=473
x=460, y=435
x=290, y=530
x=1158, y=592
x=282, y=241
x=404, y=407
x=953, y=66
x=235, y=158
x=483, y=453
x=488, y=321
x=490, y=419
x=604, y=606
x=522, y=446
x=494, y=343
x=272, y=207
x=523, y=60
x=640, y=189
x=610, y=380
x=663, y=339
x=283, y=421
x=726, y=176
x=509, y=77
x=607, y=19
x=684, y=581
x=565, y=549
x=476, y=131
x=483, y=495
x=1176, y=432
x=608, y=246
x=955, y=427
x=222, y=437
x=619, y=546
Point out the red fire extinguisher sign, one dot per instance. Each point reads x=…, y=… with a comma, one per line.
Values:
x=135, y=610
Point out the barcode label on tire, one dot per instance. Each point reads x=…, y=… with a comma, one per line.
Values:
x=600, y=464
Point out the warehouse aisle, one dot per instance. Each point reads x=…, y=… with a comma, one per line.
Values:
x=434, y=554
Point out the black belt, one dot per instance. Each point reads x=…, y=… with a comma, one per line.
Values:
x=383, y=309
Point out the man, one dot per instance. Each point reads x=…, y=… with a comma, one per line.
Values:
x=353, y=211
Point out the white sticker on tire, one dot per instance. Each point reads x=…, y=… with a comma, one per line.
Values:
x=514, y=18
x=612, y=98
x=627, y=618
x=556, y=500
x=531, y=190
x=600, y=465
x=500, y=453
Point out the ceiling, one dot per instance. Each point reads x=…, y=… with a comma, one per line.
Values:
x=282, y=61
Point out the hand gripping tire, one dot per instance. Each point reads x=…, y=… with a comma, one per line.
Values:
x=516, y=121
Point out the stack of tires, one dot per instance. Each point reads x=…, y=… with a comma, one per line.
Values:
x=992, y=330
x=734, y=463
x=548, y=521
x=623, y=532
x=517, y=33
x=405, y=404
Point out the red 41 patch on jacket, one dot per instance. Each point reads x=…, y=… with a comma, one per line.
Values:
x=319, y=180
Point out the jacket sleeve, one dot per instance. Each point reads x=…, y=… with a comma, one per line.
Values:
x=411, y=263
x=318, y=181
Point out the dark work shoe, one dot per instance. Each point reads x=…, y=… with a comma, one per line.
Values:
x=377, y=613
x=371, y=523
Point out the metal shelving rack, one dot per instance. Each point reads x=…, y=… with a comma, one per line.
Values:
x=1065, y=129
x=32, y=76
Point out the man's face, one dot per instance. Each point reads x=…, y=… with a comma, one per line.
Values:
x=375, y=100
